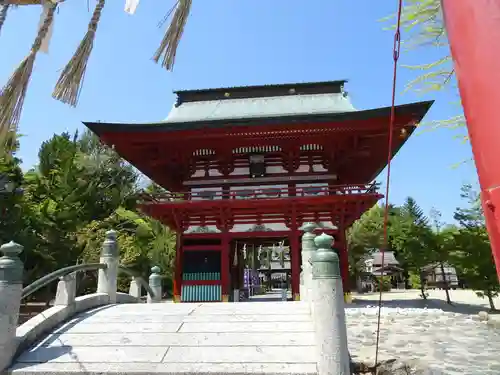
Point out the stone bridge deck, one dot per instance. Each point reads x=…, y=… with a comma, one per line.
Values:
x=233, y=338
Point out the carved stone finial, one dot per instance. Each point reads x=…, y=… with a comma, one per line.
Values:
x=110, y=245
x=11, y=249
x=324, y=241
x=309, y=227
x=324, y=260
x=155, y=278
x=11, y=267
x=111, y=235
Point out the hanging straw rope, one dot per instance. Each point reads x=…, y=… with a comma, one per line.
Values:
x=3, y=15
x=70, y=83
x=168, y=47
x=13, y=93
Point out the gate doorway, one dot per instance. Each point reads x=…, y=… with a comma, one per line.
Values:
x=261, y=269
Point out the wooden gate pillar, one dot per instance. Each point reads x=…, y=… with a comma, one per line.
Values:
x=341, y=245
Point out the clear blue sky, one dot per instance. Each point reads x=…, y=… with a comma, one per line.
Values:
x=231, y=43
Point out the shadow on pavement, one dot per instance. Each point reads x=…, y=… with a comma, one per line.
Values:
x=419, y=303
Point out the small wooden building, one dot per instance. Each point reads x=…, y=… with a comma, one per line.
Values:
x=435, y=277
x=374, y=267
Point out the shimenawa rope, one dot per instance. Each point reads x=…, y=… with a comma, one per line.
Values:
x=168, y=46
x=13, y=93
x=70, y=83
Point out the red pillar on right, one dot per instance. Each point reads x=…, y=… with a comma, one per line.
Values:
x=473, y=28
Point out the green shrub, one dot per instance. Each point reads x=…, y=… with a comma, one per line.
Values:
x=414, y=280
x=385, y=281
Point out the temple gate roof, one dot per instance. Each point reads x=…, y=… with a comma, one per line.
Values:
x=260, y=101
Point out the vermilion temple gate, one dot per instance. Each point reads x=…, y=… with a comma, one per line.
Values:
x=277, y=155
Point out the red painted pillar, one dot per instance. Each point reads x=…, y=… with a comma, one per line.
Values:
x=341, y=245
x=295, y=260
x=178, y=268
x=473, y=28
x=225, y=267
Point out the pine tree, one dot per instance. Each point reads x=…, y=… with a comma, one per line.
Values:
x=411, y=237
x=473, y=257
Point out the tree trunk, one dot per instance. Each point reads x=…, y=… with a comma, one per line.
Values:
x=422, y=285
x=48, y=296
x=445, y=283
x=490, y=300
x=422, y=291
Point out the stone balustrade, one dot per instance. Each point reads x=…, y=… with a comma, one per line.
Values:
x=14, y=339
x=328, y=310
x=321, y=288
x=308, y=247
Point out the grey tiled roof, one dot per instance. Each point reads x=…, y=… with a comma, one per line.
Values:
x=389, y=258
x=293, y=104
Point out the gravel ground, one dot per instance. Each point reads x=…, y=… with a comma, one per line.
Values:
x=441, y=338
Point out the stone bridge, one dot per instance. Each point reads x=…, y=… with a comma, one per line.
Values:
x=108, y=331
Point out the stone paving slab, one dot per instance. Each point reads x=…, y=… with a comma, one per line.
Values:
x=159, y=318
x=257, y=327
x=241, y=354
x=249, y=308
x=169, y=368
x=86, y=354
x=119, y=327
x=180, y=339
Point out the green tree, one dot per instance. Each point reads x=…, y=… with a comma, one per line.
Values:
x=367, y=234
x=364, y=235
x=17, y=220
x=79, y=190
x=473, y=257
x=411, y=238
x=440, y=246
x=11, y=177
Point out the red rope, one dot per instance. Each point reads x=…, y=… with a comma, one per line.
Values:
x=396, y=50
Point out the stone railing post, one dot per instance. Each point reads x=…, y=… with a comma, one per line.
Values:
x=328, y=312
x=11, y=289
x=155, y=284
x=308, y=247
x=135, y=289
x=107, y=281
x=66, y=290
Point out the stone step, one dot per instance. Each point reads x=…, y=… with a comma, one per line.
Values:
x=165, y=354
x=172, y=368
x=168, y=318
x=180, y=339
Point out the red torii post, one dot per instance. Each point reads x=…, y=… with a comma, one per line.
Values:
x=473, y=28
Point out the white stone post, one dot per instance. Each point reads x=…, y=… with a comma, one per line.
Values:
x=11, y=289
x=308, y=247
x=135, y=289
x=155, y=284
x=107, y=281
x=66, y=290
x=236, y=295
x=329, y=314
